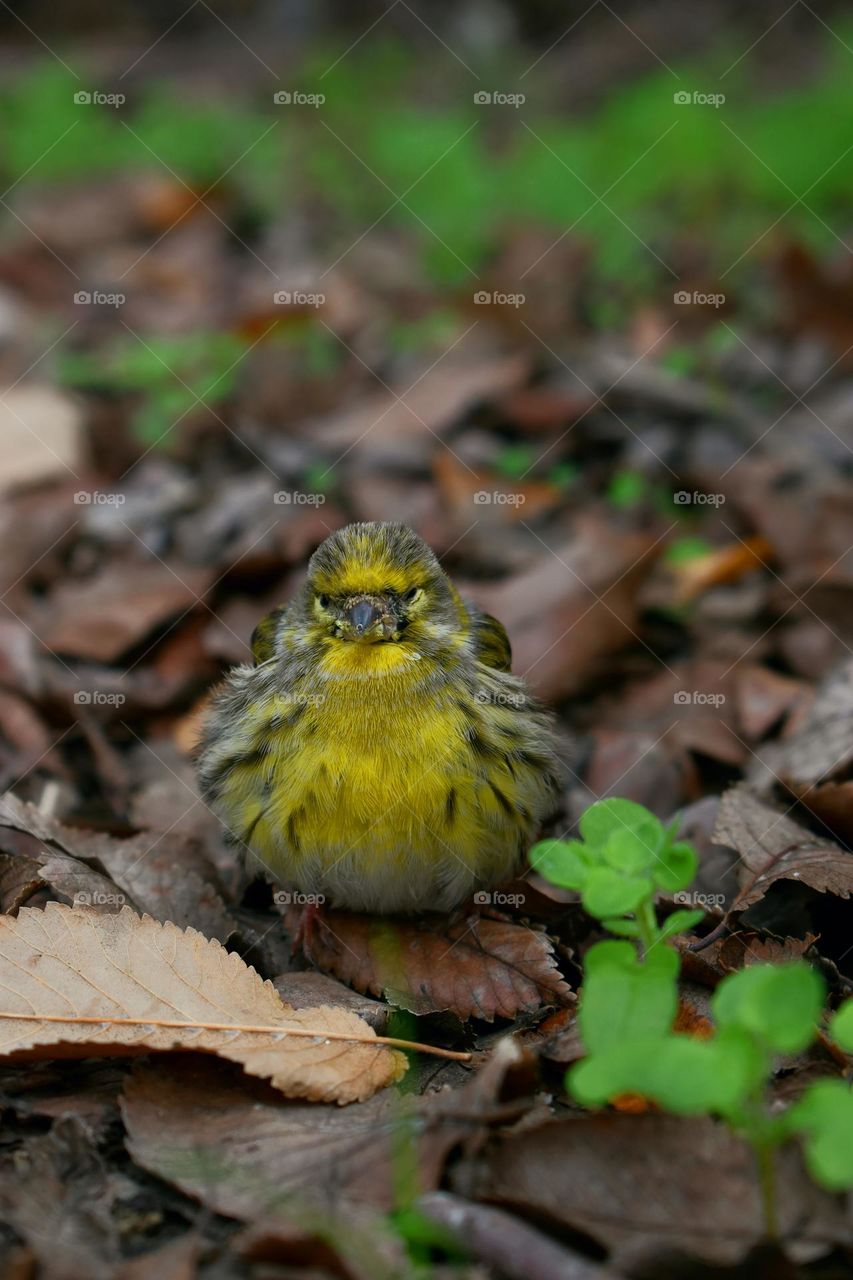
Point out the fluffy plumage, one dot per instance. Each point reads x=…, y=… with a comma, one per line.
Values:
x=380, y=753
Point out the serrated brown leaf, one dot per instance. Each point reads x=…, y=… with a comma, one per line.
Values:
x=772, y=846
x=74, y=963
x=474, y=968
x=739, y=950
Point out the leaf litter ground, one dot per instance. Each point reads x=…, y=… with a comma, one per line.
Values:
x=698, y=655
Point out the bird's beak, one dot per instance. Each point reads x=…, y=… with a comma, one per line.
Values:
x=368, y=619
x=362, y=616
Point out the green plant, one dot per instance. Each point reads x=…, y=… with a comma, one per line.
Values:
x=625, y=857
x=170, y=375
x=465, y=178
x=630, y=997
x=683, y=550
x=627, y=489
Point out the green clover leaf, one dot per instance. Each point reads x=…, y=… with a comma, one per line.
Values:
x=778, y=1004
x=624, y=999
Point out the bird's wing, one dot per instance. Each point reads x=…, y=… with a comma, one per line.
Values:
x=264, y=635
x=491, y=642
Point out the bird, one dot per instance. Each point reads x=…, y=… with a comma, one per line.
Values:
x=378, y=755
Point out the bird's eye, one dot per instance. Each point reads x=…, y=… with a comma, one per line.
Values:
x=323, y=602
x=411, y=594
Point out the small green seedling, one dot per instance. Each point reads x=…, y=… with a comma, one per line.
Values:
x=627, y=489
x=764, y=1011
x=625, y=857
x=629, y=1001
x=684, y=550
x=171, y=376
x=824, y=1117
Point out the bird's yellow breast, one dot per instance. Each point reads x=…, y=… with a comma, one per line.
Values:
x=376, y=786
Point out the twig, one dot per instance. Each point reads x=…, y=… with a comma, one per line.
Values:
x=279, y=1030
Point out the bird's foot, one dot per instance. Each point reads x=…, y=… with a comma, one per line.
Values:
x=310, y=918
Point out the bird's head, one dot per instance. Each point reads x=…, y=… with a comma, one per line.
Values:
x=379, y=583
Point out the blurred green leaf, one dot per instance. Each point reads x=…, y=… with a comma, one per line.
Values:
x=778, y=1004
x=625, y=999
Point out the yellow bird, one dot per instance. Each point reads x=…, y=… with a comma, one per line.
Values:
x=379, y=754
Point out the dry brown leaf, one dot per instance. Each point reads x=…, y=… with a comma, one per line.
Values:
x=392, y=425
x=573, y=607
x=57, y=1194
x=519, y=500
x=101, y=617
x=244, y=1152
x=475, y=969
x=162, y=873
x=62, y=965
x=40, y=434
x=821, y=749
x=832, y=805
x=724, y=564
x=646, y=1185
x=773, y=847
x=764, y=697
